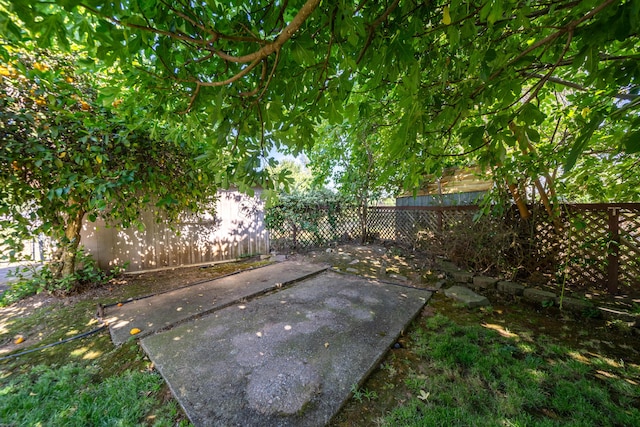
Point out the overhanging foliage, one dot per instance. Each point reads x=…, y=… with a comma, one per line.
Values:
x=442, y=78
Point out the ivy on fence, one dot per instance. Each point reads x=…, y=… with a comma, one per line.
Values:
x=311, y=220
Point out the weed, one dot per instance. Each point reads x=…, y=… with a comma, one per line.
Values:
x=370, y=394
x=620, y=325
x=487, y=310
x=360, y=394
x=391, y=370
x=591, y=313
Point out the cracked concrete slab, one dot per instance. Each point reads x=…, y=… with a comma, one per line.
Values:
x=288, y=358
x=162, y=311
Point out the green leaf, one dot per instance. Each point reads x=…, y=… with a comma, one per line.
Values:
x=631, y=142
x=579, y=224
x=583, y=140
x=534, y=135
x=453, y=34
x=474, y=135
x=531, y=115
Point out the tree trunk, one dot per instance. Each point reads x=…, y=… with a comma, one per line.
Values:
x=67, y=252
x=527, y=148
x=364, y=200
x=363, y=222
x=520, y=203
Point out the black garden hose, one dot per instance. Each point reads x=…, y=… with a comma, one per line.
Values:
x=76, y=337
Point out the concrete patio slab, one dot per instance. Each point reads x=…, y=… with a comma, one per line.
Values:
x=289, y=358
x=158, y=312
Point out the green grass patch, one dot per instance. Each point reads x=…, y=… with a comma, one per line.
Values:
x=74, y=395
x=477, y=377
x=88, y=381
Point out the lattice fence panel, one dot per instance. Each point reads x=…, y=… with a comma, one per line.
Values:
x=549, y=247
x=329, y=227
x=629, y=250
x=381, y=224
x=452, y=219
x=586, y=253
x=411, y=224
x=281, y=238
x=580, y=245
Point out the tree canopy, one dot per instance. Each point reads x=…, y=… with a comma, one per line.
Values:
x=515, y=85
x=65, y=156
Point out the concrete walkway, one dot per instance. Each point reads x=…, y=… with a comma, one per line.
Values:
x=280, y=345
x=159, y=312
x=289, y=358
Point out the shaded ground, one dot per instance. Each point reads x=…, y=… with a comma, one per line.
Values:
x=45, y=319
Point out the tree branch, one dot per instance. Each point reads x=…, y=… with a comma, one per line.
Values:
x=373, y=26
x=150, y=29
x=193, y=99
x=305, y=11
x=557, y=80
x=230, y=80
x=263, y=76
x=192, y=21
x=546, y=77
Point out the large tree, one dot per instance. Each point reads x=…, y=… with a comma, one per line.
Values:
x=66, y=156
x=459, y=76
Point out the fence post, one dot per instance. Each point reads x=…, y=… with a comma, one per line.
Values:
x=295, y=236
x=613, y=252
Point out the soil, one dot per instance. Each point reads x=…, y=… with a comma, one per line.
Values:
x=610, y=338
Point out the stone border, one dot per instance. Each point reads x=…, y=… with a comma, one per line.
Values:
x=530, y=294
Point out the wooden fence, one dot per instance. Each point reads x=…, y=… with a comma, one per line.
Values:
x=597, y=245
x=601, y=244
x=234, y=229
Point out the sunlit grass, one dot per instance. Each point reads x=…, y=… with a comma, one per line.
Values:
x=487, y=376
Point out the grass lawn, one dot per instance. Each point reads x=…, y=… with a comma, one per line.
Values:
x=514, y=366
x=507, y=365
x=86, y=382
